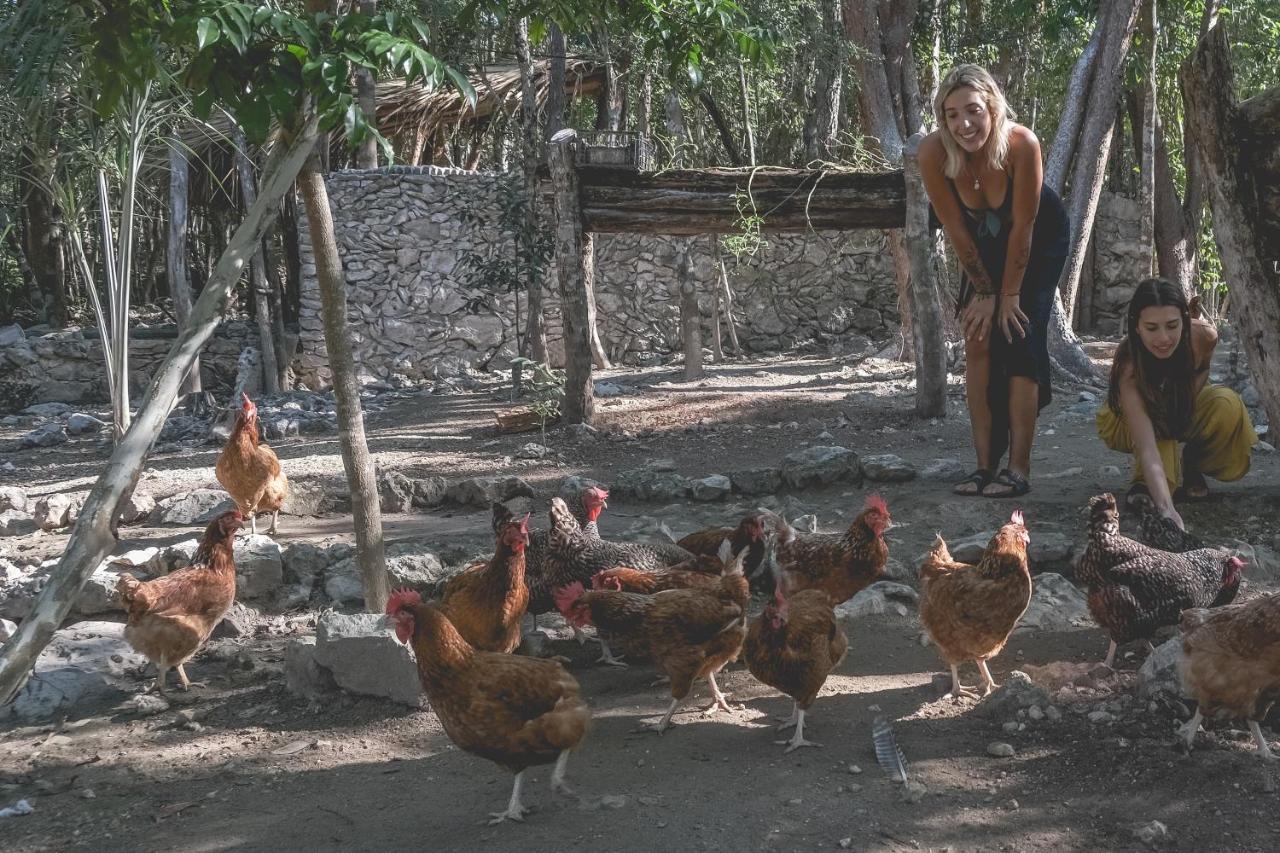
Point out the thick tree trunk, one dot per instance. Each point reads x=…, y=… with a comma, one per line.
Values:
x=644, y=116
x=676, y=129
x=722, y=127
x=879, y=116
x=555, y=73
x=1174, y=228
x=258, y=273
x=1249, y=264
x=44, y=238
x=575, y=267
x=176, y=254
x=356, y=461
x=367, y=97
x=1063, y=150
x=91, y=537
x=1095, y=139
x=929, y=337
x=831, y=55
x=609, y=112
x=690, y=318
x=535, y=330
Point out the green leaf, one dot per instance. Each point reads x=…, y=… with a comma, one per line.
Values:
x=207, y=32
x=420, y=27
x=463, y=84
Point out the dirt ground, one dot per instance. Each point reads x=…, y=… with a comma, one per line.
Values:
x=247, y=766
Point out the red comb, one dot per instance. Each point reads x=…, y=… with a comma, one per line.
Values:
x=874, y=501
x=403, y=598
x=1016, y=518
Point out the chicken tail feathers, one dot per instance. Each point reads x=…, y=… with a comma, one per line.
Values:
x=888, y=754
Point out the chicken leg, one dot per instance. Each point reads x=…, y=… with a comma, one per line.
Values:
x=187, y=683
x=275, y=519
x=606, y=656
x=720, y=702
x=797, y=740
x=1189, y=729
x=515, y=809
x=958, y=689
x=1264, y=752
x=988, y=683
x=791, y=721
x=558, y=785
x=665, y=723
x=1111, y=655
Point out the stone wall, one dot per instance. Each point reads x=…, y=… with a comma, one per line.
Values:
x=67, y=366
x=1117, y=261
x=406, y=234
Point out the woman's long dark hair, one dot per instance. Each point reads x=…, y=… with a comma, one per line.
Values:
x=1164, y=383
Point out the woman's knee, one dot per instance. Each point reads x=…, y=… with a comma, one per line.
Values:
x=1220, y=410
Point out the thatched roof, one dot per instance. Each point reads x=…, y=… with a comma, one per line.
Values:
x=408, y=111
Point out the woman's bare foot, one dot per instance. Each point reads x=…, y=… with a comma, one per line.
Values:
x=1194, y=485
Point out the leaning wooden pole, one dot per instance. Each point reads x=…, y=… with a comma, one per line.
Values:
x=575, y=268
x=928, y=335
x=92, y=538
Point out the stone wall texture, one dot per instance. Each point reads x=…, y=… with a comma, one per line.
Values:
x=407, y=233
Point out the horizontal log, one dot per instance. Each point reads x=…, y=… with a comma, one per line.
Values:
x=700, y=201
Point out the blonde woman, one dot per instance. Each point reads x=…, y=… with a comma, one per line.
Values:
x=1011, y=235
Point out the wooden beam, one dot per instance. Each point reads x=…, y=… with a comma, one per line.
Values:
x=575, y=267
x=928, y=335
x=698, y=201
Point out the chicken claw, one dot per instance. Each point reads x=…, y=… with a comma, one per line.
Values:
x=606, y=657
x=797, y=740
x=958, y=690
x=720, y=701
x=663, y=724
x=515, y=809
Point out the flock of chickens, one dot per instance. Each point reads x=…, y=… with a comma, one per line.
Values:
x=684, y=607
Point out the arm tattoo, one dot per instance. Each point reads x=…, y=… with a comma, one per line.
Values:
x=972, y=264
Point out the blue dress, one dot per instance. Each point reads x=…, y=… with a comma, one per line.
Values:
x=1026, y=356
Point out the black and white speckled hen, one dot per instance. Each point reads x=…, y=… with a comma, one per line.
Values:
x=1160, y=532
x=573, y=555
x=586, y=508
x=1135, y=589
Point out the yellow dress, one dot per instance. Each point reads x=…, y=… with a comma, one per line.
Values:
x=1220, y=427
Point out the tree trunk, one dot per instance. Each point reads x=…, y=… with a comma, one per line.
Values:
x=690, y=318
x=825, y=109
x=722, y=127
x=1063, y=150
x=1095, y=139
x=747, y=124
x=44, y=237
x=258, y=272
x=176, y=254
x=644, y=119
x=1249, y=262
x=727, y=299
x=1147, y=195
x=675, y=128
x=575, y=266
x=367, y=97
x=879, y=116
x=609, y=112
x=535, y=330
x=91, y=537
x=927, y=330
x=358, y=464
x=555, y=82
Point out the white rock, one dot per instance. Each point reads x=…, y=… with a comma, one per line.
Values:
x=363, y=655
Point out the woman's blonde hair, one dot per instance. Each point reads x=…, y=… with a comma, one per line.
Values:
x=978, y=79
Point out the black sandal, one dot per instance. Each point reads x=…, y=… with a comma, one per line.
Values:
x=1138, y=496
x=1018, y=485
x=981, y=478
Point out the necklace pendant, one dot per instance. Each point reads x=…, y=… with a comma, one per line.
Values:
x=976, y=186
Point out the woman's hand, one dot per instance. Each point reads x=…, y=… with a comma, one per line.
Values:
x=1011, y=315
x=1172, y=514
x=977, y=317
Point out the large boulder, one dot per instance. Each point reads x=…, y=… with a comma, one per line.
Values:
x=99, y=592
x=820, y=466
x=1056, y=605
x=137, y=508
x=395, y=492
x=54, y=512
x=409, y=564
x=81, y=670
x=305, y=497
x=16, y=522
x=302, y=674
x=879, y=597
x=82, y=424
x=11, y=497
x=1159, y=672
x=756, y=481
x=259, y=566
x=362, y=654
x=195, y=507
x=484, y=491
x=647, y=484
x=887, y=468
x=46, y=435
x=716, y=487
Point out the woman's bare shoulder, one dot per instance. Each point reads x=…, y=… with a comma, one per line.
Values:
x=1204, y=338
x=1023, y=141
x=931, y=147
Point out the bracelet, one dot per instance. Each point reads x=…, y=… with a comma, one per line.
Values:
x=1015, y=293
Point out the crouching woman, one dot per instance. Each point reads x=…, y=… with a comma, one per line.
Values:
x=1160, y=397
